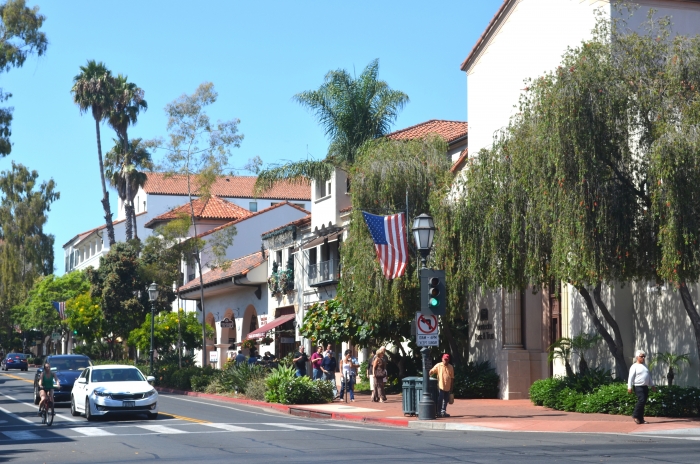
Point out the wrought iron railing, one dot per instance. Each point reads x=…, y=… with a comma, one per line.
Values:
x=323, y=272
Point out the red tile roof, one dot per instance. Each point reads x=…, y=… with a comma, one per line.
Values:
x=82, y=235
x=228, y=224
x=346, y=210
x=457, y=166
x=237, y=267
x=451, y=131
x=306, y=220
x=228, y=187
x=213, y=208
x=482, y=39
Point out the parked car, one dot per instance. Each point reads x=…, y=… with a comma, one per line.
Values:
x=67, y=368
x=14, y=361
x=112, y=390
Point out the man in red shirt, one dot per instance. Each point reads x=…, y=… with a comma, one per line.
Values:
x=316, y=359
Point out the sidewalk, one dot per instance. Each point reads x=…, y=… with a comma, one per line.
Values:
x=487, y=415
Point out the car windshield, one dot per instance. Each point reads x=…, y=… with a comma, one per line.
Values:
x=77, y=364
x=117, y=375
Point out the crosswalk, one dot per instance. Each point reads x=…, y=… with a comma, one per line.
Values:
x=69, y=431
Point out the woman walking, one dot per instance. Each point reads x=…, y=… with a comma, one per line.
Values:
x=380, y=374
x=347, y=368
x=639, y=382
x=445, y=374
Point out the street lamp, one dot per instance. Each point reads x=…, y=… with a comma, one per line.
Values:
x=423, y=234
x=152, y=297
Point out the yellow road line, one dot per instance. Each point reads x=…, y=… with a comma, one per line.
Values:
x=19, y=378
x=189, y=419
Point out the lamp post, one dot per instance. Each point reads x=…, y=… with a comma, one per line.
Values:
x=423, y=234
x=152, y=297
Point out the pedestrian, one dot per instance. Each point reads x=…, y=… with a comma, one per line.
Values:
x=240, y=357
x=300, y=359
x=380, y=375
x=347, y=367
x=446, y=375
x=639, y=382
x=253, y=358
x=328, y=366
x=370, y=370
x=316, y=359
x=327, y=351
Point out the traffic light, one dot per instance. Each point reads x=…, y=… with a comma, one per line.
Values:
x=432, y=287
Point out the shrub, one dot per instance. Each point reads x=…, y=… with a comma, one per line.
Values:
x=275, y=381
x=590, y=380
x=362, y=372
x=283, y=387
x=235, y=377
x=609, y=399
x=199, y=382
x=171, y=376
x=256, y=388
x=545, y=392
x=478, y=380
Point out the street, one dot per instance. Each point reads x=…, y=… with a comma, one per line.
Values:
x=207, y=431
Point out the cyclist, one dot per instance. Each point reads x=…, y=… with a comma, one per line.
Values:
x=46, y=384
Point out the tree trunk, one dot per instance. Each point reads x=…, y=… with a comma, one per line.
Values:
x=128, y=205
x=133, y=216
x=582, y=365
x=613, y=324
x=620, y=365
x=692, y=312
x=670, y=376
x=569, y=370
x=105, y=193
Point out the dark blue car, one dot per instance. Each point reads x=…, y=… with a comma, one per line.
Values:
x=67, y=367
x=14, y=361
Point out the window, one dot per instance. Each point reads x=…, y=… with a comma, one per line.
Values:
x=312, y=255
x=278, y=258
x=253, y=206
x=323, y=189
x=71, y=256
x=290, y=258
x=67, y=268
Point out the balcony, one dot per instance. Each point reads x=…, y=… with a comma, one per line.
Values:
x=323, y=273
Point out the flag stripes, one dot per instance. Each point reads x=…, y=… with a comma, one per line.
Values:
x=389, y=236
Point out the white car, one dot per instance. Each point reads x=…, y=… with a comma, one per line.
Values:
x=112, y=390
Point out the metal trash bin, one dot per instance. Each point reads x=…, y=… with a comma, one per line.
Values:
x=432, y=389
x=408, y=392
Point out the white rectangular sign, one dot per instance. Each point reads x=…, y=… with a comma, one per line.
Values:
x=213, y=356
x=427, y=340
x=427, y=330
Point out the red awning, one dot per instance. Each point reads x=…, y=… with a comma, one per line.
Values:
x=260, y=332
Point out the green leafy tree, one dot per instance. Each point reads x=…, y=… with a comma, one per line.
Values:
x=561, y=349
x=26, y=251
x=85, y=317
x=93, y=91
x=673, y=361
x=581, y=344
x=20, y=37
x=169, y=327
x=351, y=111
x=200, y=151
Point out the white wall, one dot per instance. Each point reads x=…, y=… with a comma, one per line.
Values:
x=326, y=209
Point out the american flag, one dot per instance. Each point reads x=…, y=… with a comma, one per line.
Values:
x=61, y=308
x=389, y=236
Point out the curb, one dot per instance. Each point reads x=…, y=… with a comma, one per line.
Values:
x=294, y=410
x=432, y=425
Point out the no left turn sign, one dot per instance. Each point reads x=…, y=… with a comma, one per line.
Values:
x=427, y=333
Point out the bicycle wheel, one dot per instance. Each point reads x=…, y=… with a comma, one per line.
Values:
x=42, y=411
x=49, y=415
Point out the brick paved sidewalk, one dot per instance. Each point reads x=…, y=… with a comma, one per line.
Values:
x=511, y=415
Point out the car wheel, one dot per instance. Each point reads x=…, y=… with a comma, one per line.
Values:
x=152, y=416
x=37, y=398
x=88, y=415
x=73, y=412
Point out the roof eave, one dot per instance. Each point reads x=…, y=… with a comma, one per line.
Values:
x=478, y=47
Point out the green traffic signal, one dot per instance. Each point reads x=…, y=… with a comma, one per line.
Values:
x=434, y=292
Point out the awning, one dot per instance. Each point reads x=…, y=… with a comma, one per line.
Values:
x=320, y=240
x=260, y=332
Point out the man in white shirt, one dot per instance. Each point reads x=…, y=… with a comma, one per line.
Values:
x=639, y=382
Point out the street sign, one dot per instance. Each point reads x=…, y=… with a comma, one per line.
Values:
x=55, y=336
x=213, y=356
x=226, y=323
x=427, y=332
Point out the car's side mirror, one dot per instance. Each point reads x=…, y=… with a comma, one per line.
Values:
x=82, y=380
x=150, y=379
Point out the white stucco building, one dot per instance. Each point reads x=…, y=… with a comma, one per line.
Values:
x=525, y=39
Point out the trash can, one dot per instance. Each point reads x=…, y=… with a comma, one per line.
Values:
x=432, y=389
x=408, y=392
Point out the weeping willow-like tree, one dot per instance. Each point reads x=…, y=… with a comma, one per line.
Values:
x=595, y=181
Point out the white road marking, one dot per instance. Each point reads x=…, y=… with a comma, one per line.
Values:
x=218, y=405
x=21, y=435
x=161, y=429
x=36, y=409
x=16, y=416
x=230, y=428
x=92, y=431
x=292, y=426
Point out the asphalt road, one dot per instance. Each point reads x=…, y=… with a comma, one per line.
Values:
x=191, y=429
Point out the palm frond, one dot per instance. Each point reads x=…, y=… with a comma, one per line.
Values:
x=296, y=172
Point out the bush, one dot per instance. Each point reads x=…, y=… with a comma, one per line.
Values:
x=256, y=388
x=590, y=381
x=171, y=376
x=235, y=377
x=362, y=371
x=545, y=392
x=283, y=387
x=478, y=380
x=274, y=382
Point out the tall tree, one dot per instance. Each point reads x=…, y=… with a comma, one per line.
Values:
x=351, y=111
x=200, y=151
x=20, y=37
x=127, y=103
x=93, y=90
x=121, y=169
x=26, y=251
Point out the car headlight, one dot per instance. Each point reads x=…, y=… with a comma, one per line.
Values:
x=100, y=393
x=151, y=392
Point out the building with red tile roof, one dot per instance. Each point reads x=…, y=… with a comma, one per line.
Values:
x=236, y=268
x=212, y=208
x=455, y=133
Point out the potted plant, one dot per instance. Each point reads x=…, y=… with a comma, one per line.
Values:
x=249, y=343
x=267, y=340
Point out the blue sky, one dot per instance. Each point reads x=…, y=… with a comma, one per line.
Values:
x=258, y=54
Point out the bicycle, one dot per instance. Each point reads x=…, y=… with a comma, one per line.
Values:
x=46, y=416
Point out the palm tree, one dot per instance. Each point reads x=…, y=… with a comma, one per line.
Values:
x=581, y=343
x=351, y=111
x=92, y=91
x=673, y=360
x=119, y=168
x=127, y=104
x=561, y=349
